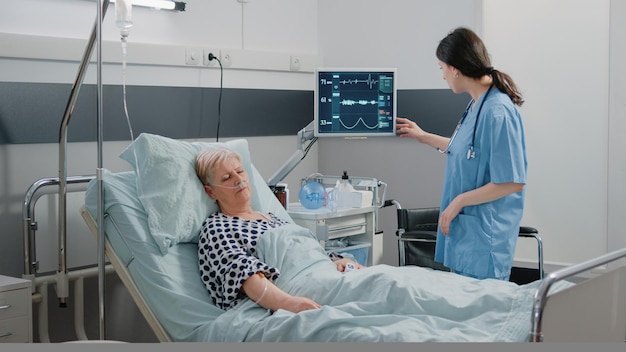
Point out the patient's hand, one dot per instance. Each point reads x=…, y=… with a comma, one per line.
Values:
x=297, y=304
x=270, y=296
x=341, y=264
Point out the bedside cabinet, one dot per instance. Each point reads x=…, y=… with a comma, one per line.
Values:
x=356, y=225
x=15, y=310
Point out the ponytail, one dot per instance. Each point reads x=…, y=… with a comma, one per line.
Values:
x=505, y=83
x=463, y=49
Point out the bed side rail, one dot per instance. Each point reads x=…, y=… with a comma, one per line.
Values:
x=541, y=295
x=38, y=189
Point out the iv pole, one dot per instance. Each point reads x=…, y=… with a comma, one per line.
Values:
x=99, y=170
x=62, y=278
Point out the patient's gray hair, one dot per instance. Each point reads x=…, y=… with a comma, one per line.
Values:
x=208, y=160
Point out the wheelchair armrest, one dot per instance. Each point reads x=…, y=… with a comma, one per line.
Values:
x=417, y=234
x=527, y=231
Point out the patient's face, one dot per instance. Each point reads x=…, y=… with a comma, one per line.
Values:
x=224, y=185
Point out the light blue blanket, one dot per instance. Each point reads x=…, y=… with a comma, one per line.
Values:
x=379, y=303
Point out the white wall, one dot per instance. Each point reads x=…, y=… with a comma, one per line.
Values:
x=160, y=38
x=394, y=33
x=558, y=53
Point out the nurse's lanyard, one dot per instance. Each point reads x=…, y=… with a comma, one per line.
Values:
x=470, y=152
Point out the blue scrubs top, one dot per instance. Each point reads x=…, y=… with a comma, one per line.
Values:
x=482, y=238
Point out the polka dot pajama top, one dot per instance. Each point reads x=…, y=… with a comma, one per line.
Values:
x=226, y=251
x=227, y=255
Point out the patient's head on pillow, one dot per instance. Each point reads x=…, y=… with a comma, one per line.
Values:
x=169, y=189
x=208, y=161
x=225, y=179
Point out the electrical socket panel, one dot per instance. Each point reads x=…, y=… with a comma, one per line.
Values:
x=294, y=63
x=205, y=57
x=226, y=58
x=192, y=56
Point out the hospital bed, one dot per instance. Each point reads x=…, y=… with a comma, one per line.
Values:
x=151, y=222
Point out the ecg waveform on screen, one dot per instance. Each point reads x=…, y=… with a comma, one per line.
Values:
x=356, y=124
x=369, y=81
x=350, y=102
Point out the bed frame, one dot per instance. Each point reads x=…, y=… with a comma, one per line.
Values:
x=121, y=269
x=599, y=303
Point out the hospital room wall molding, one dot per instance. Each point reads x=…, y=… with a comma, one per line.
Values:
x=39, y=47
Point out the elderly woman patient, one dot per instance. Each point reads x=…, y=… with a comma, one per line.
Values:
x=226, y=247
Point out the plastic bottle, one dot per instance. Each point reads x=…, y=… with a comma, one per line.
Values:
x=123, y=21
x=330, y=201
x=123, y=15
x=342, y=190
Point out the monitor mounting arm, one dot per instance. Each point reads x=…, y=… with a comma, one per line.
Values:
x=304, y=135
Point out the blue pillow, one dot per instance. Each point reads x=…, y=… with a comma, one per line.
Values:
x=168, y=188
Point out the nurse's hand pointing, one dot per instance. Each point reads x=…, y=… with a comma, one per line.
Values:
x=406, y=128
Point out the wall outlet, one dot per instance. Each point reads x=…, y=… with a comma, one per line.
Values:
x=192, y=56
x=205, y=57
x=226, y=58
x=294, y=63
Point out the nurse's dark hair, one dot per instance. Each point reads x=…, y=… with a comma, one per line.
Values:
x=464, y=50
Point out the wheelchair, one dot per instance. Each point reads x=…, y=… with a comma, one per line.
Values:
x=417, y=235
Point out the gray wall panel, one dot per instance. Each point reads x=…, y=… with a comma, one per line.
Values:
x=32, y=112
x=175, y=112
x=435, y=110
x=29, y=111
x=259, y=112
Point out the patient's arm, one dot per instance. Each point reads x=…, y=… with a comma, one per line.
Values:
x=267, y=295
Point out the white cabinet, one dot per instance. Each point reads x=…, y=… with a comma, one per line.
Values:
x=356, y=225
x=15, y=310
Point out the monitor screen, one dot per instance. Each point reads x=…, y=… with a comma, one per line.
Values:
x=355, y=102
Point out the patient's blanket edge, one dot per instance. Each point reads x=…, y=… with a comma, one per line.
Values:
x=379, y=303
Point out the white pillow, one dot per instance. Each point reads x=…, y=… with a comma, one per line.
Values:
x=168, y=188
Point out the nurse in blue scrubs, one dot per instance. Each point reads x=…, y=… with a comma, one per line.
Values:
x=483, y=193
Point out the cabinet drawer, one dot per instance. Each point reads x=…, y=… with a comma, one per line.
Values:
x=14, y=329
x=14, y=303
x=346, y=226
